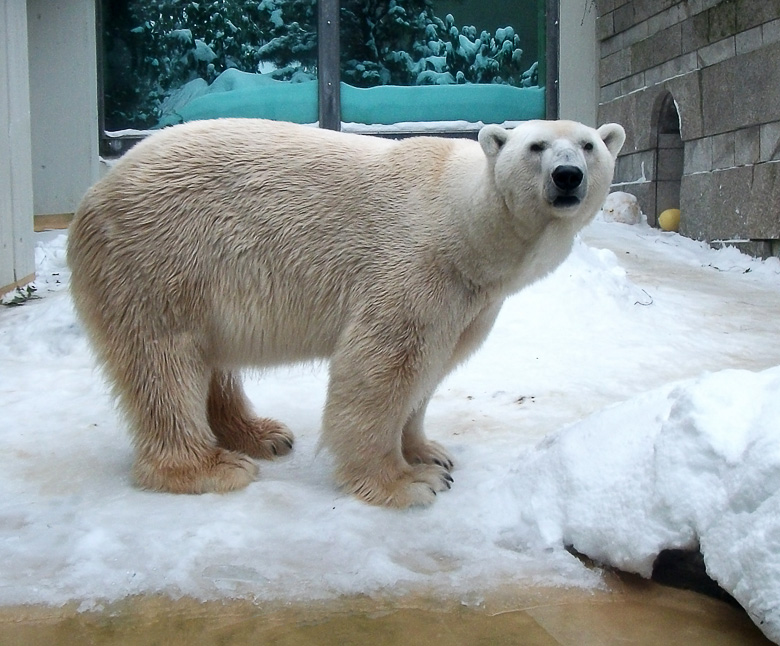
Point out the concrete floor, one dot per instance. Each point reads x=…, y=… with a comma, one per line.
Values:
x=632, y=611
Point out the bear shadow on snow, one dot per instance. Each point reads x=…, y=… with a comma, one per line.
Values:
x=390, y=258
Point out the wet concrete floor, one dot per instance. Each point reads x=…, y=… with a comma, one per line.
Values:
x=632, y=611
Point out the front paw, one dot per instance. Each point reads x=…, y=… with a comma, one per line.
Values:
x=417, y=486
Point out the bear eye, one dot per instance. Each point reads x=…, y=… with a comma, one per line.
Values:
x=537, y=147
x=588, y=146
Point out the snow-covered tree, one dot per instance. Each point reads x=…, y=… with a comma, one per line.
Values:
x=405, y=43
x=171, y=42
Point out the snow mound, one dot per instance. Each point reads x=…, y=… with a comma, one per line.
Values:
x=52, y=271
x=696, y=464
x=595, y=274
x=621, y=207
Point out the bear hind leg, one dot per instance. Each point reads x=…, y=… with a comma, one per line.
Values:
x=163, y=386
x=236, y=428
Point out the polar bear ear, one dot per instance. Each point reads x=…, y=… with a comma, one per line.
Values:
x=613, y=135
x=492, y=138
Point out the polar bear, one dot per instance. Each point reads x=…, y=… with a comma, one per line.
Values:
x=216, y=245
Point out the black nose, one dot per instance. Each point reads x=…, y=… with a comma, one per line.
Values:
x=567, y=178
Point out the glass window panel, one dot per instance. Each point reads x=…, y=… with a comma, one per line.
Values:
x=167, y=61
x=442, y=60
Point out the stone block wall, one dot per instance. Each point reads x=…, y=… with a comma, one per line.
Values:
x=696, y=83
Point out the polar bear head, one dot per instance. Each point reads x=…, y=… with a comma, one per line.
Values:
x=555, y=169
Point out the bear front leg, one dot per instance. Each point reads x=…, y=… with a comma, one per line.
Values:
x=418, y=449
x=163, y=386
x=377, y=377
x=234, y=425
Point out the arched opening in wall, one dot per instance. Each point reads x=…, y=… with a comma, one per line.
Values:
x=668, y=158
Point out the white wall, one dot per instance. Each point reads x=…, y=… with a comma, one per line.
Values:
x=578, y=85
x=17, y=261
x=63, y=98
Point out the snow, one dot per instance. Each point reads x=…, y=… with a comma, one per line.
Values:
x=621, y=207
x=624, y=405
x=698, y=469
x=203, y=52
x=182, y=34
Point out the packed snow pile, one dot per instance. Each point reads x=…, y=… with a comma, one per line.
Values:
x=690, y=466
x=621, y=207
x=657, y=356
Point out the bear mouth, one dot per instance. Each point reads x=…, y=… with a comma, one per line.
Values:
x=566, y=201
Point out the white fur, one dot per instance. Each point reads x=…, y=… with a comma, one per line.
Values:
x=221, y=244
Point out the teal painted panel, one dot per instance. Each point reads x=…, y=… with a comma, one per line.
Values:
x=241, y=94
x=388, y=104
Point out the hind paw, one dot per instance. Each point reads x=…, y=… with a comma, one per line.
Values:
x=260, y=438
x=429, y=453
x=217, y=471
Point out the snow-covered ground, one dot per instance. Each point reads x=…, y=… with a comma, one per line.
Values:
x=626, y=404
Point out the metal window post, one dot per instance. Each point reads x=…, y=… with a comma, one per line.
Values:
x=552, y=55
x=329, y=64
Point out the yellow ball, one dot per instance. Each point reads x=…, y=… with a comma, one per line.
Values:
x=669, y=220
